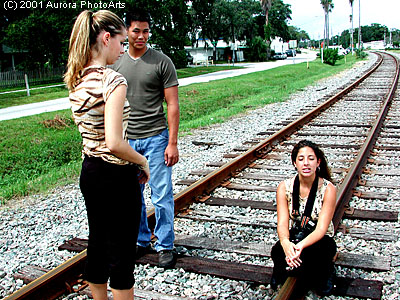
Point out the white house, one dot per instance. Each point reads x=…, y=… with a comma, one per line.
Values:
x=278, y=45
x=204, y=50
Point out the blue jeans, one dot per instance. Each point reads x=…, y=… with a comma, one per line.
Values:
x=162, y=197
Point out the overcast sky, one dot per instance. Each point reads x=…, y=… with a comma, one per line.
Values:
x=309, y=15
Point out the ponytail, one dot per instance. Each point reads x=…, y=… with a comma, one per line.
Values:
x=87, y=27
x=79, y=48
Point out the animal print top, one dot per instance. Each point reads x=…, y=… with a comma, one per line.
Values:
x=92, y=90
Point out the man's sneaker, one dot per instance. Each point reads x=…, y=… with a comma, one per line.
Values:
x=166, y=259
x=142, y=251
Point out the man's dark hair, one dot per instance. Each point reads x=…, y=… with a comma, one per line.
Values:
x=137, y=15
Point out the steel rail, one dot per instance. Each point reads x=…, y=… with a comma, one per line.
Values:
x=350, y=181
x=54, y=283
x=68, y=272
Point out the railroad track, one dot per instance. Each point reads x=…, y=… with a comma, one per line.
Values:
x=241, y=191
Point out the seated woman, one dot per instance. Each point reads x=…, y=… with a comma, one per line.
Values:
x=305, y=204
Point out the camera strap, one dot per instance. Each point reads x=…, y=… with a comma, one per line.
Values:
x=306, y=216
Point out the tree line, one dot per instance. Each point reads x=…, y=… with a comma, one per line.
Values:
x=40, y=35
x=354, y=36
x=369, y=33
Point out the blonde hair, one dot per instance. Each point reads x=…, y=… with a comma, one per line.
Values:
x=83, y=39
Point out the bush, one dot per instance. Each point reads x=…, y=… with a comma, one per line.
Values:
x=179, y=58
x=257, y=49
x=361, y=54
x=331, y=56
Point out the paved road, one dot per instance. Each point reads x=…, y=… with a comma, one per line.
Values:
x=63, y=103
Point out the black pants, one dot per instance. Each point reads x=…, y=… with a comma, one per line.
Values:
x=317, y=263
x=113, y=204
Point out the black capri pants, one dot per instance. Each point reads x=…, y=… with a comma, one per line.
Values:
x=113, y=204
x=317, y=263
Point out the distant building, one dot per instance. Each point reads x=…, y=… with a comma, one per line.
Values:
x=375, y=45
x=278, y=45
x=11, y=58
x=203, y=51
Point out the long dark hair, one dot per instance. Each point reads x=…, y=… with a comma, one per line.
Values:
x=324, y=171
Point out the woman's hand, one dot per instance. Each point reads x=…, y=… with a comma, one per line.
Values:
x=292, y=253
x=144, y=174
x=294, y=262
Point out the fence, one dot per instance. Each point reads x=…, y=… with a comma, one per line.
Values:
x=13, y=79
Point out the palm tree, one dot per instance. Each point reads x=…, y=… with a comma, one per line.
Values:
x=352, y=29
x=266, y=6
x=327, y=5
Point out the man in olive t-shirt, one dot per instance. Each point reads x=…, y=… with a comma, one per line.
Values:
x=152, y=78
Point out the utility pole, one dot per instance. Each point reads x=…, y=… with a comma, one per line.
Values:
x=384, y=38
x=390, y=38
x=359, y=25
x=352, y=31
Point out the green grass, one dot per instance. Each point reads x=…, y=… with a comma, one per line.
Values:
x=44, y=94
x=40, y=152
x=37, y=153
x=194, y=71
x=37, y=95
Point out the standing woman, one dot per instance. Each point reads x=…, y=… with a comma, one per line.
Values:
x=305, y=204
x=110, y=166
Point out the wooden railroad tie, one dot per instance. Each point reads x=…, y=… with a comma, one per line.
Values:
x=260, y=274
